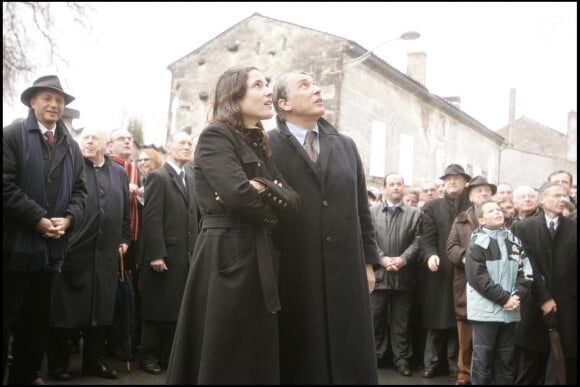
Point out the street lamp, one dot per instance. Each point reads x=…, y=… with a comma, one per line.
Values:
x=409, y=35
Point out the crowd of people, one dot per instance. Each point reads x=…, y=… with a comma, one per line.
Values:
x=261, y=257
x=451, y=267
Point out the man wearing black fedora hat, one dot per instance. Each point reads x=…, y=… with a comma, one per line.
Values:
x=44, y=197
x=478, y=191
x=436, y=289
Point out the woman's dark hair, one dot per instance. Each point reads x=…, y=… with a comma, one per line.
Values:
x=230, y=90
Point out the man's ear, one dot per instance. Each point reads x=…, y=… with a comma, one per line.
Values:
x=284, y=105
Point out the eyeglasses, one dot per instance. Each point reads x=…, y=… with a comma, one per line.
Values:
x=124, y=138
x=143, y=160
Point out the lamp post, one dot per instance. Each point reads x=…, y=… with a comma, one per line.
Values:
x=409, y=35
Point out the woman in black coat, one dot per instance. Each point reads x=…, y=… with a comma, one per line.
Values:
x=227, y=330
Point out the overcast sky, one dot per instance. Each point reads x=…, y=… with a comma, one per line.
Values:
x=476, y=51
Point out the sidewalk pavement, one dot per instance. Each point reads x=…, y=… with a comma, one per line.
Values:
x=387, y=376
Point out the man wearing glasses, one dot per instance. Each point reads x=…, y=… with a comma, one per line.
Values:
x=120, y=147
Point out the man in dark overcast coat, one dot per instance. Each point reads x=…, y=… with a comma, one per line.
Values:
x=328, y=253
x=436, y=287
x=85, y=290
x=43, y=199
x=554, y=290
x=170, y=219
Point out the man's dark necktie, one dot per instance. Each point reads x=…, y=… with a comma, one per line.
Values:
x=552, y=229
x=182, y=177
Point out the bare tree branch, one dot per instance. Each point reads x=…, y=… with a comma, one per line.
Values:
x=27, y=23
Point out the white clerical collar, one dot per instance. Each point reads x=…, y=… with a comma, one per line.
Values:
x=100, y=164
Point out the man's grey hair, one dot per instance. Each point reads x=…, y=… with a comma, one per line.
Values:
x=172, y=136
x=111, y=134
x=547, y=185
x=523, y=190
x=96, y=130
x=280, y=90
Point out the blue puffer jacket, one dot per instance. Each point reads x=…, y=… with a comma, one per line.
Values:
x=493, y=276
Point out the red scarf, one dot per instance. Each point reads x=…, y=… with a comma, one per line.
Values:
x=133, y=175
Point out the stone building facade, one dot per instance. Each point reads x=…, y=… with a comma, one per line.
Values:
x=397, y=124
x=532, y=150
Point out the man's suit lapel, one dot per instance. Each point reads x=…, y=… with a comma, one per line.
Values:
x=177, y=181
x=326, y=147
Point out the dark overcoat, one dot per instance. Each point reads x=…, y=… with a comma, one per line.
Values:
x=555, y=264
x=227, y=331
x=169, y=229
x=85, y=289
x=326, y=329
x=20, y=212
x=436, y=288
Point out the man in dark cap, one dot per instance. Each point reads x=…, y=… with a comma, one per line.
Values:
x=44, y=198
x=436, y=290
x=478, y=191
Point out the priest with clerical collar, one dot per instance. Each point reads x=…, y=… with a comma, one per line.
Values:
x=85, y=291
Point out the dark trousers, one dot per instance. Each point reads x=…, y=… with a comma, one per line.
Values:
x=417, y=334
x=438, y=342
x=532, y=367
x=156, y=341
x=391, y=311
x=59, y=347
x=493, y=353
x=26, y=307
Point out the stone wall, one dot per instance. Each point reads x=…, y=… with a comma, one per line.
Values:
x=271, y=46
x=420, y=140
x=394, y=120
x=519, y=167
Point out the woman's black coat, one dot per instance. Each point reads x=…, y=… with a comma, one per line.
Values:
x=227, y=331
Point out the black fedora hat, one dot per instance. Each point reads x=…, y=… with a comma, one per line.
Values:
x=455, y=169
x=46, y=82
x=480, y=180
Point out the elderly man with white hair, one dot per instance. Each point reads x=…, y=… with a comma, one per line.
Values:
x=526, y=202
x=85, y=290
